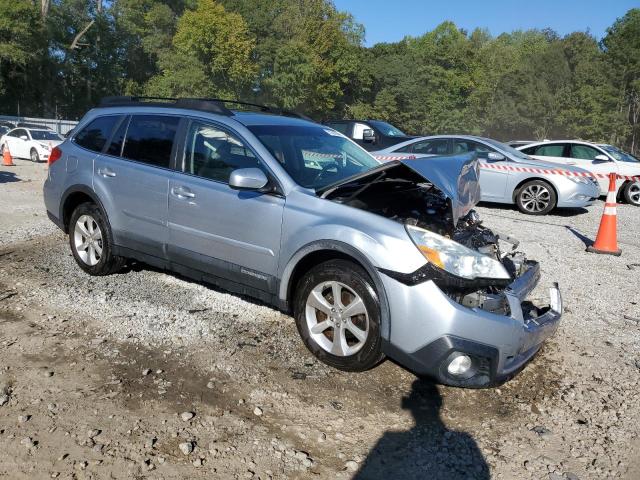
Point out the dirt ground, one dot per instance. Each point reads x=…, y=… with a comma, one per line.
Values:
x=144, y=374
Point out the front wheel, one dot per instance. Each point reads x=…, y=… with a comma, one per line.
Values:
x=91, y=241
x=536, y=197
x=338, y=316
x=34, y=155
x=631, y=193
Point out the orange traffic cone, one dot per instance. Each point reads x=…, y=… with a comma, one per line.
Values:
x=607, y=238
x=7, y=161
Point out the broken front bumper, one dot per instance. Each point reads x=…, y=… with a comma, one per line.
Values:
x=428, y=329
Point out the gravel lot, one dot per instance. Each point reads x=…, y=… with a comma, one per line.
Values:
x=146, y=374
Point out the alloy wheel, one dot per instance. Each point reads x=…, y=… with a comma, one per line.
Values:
x=634, y=193
x=34, y=156
x=535, y=198
x=337, y=318
x=87, y=238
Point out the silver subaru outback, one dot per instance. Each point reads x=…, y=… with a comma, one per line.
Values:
x=371, y=259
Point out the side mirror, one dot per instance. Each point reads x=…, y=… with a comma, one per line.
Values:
x=495, y=157
x=248, y=179
x=24, y=137
x=601, y=158
x=369, y=135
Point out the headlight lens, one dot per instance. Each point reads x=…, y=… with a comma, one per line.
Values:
x=584, y=180
x=455, y=258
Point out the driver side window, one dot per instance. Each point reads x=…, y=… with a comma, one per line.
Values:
x=583, y=152
x=464, y=146
x=213, y=153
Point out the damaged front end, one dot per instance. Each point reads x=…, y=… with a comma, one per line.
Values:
x=470, y=295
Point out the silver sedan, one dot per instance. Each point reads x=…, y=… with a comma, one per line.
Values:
x=508, y=175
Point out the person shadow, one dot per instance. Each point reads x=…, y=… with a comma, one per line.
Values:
x=427, y=451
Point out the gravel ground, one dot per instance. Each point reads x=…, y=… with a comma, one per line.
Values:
x=146, y=374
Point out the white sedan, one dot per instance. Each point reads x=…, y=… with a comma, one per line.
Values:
x=599, y=159
x=32, y=143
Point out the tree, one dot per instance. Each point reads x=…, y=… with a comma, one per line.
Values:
x=210, y=55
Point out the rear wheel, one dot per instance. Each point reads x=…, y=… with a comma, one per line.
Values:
x=34, y=155
x=338, y=316
x=91, y=241
x=536, y=197
x=631, y=193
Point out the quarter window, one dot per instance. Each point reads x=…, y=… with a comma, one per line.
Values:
x=583, y=152
x=150, y=139
x=95, y=135
x=213, y=153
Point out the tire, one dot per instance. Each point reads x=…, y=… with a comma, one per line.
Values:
x=96, y=234
x=631, y=193
x=536, y=197
x=362, y=345
x=33, y=154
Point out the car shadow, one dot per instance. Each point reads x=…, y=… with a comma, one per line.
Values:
x=8, y=177
x=556, y=212
x=586, y=240
x=427, y=450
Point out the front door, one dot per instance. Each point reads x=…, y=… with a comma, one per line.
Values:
x=493, y=177
x=230, y=234
x=584, y=156
x=18, y=143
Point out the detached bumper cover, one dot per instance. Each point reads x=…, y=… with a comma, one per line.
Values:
x=428, y=328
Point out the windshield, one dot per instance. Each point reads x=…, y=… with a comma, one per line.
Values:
x=314, y=156
x=387, y=129
x=44, y=135
x=619, y=154
x=507, y=149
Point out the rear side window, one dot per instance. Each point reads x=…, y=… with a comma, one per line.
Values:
x=95, y=135
x=340, y=127
x=150, y=139
x=549, y=150
x=115, y=147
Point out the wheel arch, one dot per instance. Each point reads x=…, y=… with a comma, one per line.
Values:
x=71, y=198
x=317, y=252
x=517, y=188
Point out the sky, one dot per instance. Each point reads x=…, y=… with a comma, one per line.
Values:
x=392, y=20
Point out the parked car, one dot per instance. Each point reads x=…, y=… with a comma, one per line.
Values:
x=33, y=125
x=30, y=143
x=599, y=159
x=372, y=259
x=534, y=190
x=6, y=124
x=370, y=134
x=519, y=143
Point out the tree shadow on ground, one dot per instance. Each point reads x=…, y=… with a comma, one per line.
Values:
x=8, y=177
x=428, y=450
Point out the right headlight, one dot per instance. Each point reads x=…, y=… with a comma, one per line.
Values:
x=455, y=258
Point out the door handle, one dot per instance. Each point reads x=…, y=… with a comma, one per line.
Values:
x=571, y=163
x=105, y=172
x=182, y=192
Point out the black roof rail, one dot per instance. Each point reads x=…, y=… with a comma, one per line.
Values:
x=206, y=105
x=214, y=105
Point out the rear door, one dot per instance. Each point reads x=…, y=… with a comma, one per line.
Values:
x=133, y=174
x=230, y=234
x=584, y=156
x=494, y=177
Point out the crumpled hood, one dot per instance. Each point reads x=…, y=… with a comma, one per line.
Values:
x=457, y=176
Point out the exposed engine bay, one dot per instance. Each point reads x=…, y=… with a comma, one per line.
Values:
x=405, y=196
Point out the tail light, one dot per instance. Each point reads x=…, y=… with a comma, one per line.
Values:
x=55, y=154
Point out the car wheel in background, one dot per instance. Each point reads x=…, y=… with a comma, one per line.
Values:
x=536, y=197
x=91, y=241
x=337, y=313
x=631, y=193
x=34, y=155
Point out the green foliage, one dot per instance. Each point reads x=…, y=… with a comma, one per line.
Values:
x=307, y=55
